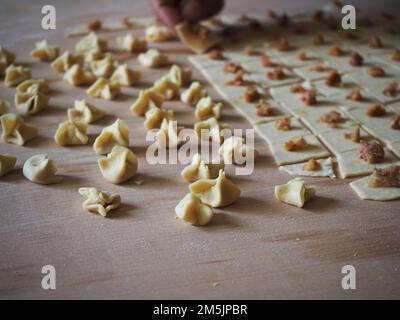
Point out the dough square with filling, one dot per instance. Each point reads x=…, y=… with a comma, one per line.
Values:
x=379, y=194
x=314, y=150
x=249, y=110
x=377, y=126
x=269, y=132
x=258, y=74
x=350, y=165
x=325, y=169
x=336, y=142
x=312, y=120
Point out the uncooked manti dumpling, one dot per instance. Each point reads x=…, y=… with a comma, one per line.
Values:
x=71, y=133
x=116, y=134
x=40, y=169
x=119, y=165
x=15, y=130
x=98, y=201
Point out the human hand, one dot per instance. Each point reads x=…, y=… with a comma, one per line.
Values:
x=171, y=12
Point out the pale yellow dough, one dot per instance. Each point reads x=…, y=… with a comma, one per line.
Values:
x=101, y=202
x=379, y=194
x=15, y=130
x=314, y=150
x=294, y=192
x=192, y=210
x=217, y=193
x=269, y=132
x=7, y=163
x=40, y=169
x=120, y=165
x=116, y=134
x=200, y=169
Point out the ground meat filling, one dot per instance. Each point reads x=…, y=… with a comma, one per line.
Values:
x=216, y=55
x=252, y=94
x=264, y=109
x=296, y=144
x=283, y=45
x=356, y=59
x=318, y=69
x=355, y=95
x=396, y=55
x=266, y=60
x=385, y=178
x=375, y=42
x=277, y=74
x=331, y=118
x=283, y=124
x=371, y=152
x=376, y=111
x=334, y=79
x=391, y=89
x=302, y=56
x=238, y=80
x=335, y=51
x=231, y=67
x=309, y=98
x=376, y=72
x=297, y=88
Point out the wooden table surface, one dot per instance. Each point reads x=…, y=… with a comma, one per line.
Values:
x=257, y=248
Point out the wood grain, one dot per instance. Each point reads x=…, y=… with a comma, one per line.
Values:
x=257, y=248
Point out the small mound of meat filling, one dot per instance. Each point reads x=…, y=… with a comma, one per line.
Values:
x=283, y=124
x=334, y=79
x=277, y=74
x=231, y=67
x=391, y=89
x=356, y=60
x=283, y=45
x=376, y=72
x=264, y=109
x=396, y=55
x=332, y=119
x=238, y=79
x=335, y=51
x=355, y=95
x=309, y=98
x=302, y=56
x=266, y=60
x=371, y=152
x=385, y=178
x=376, y=111
x=296, y=144
x=251, y=94
x=297, y=88
x=375, y=42
x=216, y=55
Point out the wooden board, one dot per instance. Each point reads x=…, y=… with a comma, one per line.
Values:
x=257, y=248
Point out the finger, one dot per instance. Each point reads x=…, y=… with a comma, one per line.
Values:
x=196, y=10
x=167, y=11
